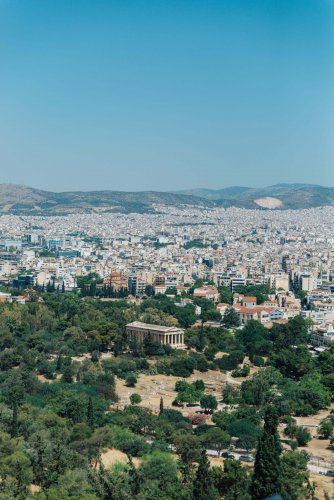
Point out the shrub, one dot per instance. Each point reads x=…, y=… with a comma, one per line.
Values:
x=230, y=362
x=258, y=360
x=135, y=398
x=303, y=436
x=128, y=442
x=131, y=380
x=197, y=418
x=243, y=372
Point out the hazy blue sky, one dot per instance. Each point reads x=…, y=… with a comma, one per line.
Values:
x=166, y=94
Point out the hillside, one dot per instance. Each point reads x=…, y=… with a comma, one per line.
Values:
x=283, y=196
x=17, y=199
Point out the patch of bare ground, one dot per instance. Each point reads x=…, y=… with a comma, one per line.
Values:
x=268, y=202
x=45, y=380
x=319, y=448
x=152, y=388
x=35, y=488
x=323, y=483
x=112, y=456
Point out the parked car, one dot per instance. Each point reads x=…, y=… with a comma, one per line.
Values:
x=246, y=458
x=227, y=454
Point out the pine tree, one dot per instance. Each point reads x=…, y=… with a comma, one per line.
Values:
x=203, y=484
x=90, y=413
x=59, y=363
x=201, y=339
x=14, y=423
x=161, y=406
x=134, y=478
x=267, y=470
x=67, y=377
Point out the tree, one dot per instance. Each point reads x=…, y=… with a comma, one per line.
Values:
x=72, y=484
x=294, y=475
x=134, y=478
x=325, y=429
x=231, y=318
x=246, y=431
x=188, y=448
x=102, y=482
x=131, y=380
x=259, y=291
x=90, y=413
x=18, y=472
x=161, y=469
x=14, y=423
x=149, y=290
x=135, y=398
x=267, y=469
x=216, y=439
x=204, y=487
x=226, y=295
x=256, y=390
x=231, y=361
x=67, y=377
x=303, y=436
x=232, y=482
x=208, y=402
x=293, y=363
x=161, y=406
x=254, y=336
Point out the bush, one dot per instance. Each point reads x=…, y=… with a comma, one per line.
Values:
x=243, y=372
x=128, y=442
x=303, y=436
x=131, y=380
x=183, y=365
x=135, y=398
x=197, y=418
x=209, y=402
x=230, y=362
x=325, y=429
x=172, y=416
x=258, y=360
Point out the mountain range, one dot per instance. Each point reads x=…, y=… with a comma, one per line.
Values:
x=283, y=196
x=23, y=200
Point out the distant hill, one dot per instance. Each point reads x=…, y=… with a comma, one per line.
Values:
x=17, y=199
x=283, y=196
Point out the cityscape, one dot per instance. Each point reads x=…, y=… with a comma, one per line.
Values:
x=166, y=250
x=182, y=276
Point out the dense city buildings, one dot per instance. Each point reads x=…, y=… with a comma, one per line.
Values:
x=175, y=250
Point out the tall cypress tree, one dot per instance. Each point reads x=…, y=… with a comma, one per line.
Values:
x=161, y=409
x=134, y=478
x=14, y=423
x=204, y=488
x=267, y=470
x=90, y=413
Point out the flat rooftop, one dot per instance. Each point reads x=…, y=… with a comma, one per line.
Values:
x=148, y=326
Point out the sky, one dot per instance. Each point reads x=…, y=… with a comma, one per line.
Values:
x=166, y=95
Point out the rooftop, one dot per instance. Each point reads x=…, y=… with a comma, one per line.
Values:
x=160, y=328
